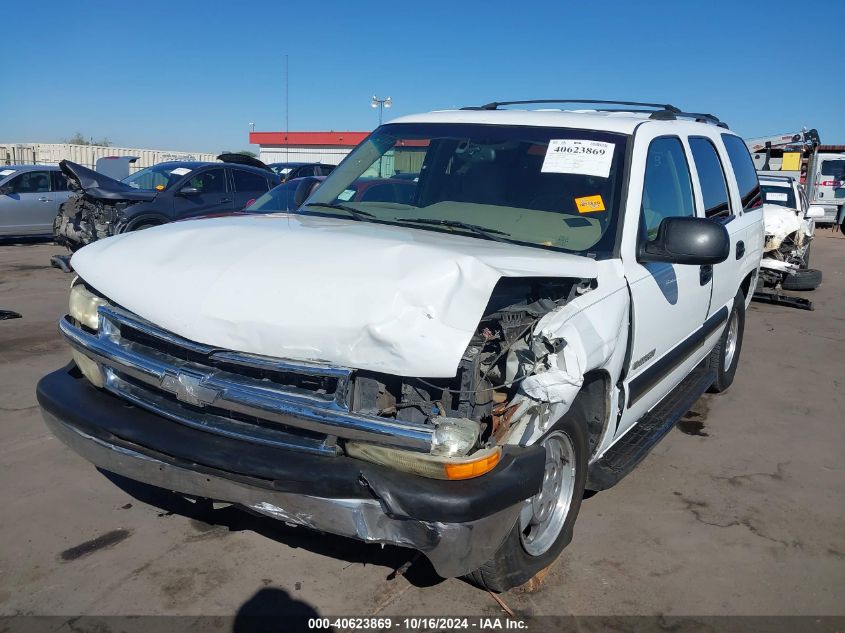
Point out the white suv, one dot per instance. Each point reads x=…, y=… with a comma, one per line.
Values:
x=528, y=305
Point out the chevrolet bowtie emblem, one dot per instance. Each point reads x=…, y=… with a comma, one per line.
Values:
x=189, y=389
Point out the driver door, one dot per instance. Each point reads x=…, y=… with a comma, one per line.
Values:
x=203, y=192
x=669, y=301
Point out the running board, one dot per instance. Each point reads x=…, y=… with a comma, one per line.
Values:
x=631, y=448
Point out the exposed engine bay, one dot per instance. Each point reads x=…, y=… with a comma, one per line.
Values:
x=96, y=210
x=504, y=351
x=787, y=244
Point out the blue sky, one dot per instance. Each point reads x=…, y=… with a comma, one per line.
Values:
x=192, y=75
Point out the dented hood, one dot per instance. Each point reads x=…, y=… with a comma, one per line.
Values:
x=392, y=299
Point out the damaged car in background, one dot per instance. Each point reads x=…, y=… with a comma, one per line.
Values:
x=789, y=225
x=446, y=370
x=103, y=206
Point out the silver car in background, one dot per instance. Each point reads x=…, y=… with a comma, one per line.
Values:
x=30, y=196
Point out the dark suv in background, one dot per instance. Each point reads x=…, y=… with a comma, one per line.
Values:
x=156, y=195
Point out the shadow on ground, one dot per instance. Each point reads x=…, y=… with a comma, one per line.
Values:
x=204, y=516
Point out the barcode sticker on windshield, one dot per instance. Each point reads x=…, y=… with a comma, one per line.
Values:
x=569, y=156
x=776, y=197
x=180, y=171
x=6, y=172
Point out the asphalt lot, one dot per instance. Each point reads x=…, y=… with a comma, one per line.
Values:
x=738, y=511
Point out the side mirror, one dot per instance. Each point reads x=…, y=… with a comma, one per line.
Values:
x=695, y=241
x=189, y=191
x=815, y=212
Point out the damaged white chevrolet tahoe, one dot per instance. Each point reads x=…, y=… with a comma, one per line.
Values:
x=446, y=369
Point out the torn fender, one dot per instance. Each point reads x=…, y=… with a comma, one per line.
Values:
x=587, y=334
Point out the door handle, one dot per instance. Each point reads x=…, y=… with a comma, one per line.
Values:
x=705, y=274
x=44, y=199
x=740, y=249
x=222, y=200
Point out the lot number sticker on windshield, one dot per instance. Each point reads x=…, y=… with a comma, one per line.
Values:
x=6, y=172
x=589, y=204
x=180, y=171
x=776, y=197
x=569, y=156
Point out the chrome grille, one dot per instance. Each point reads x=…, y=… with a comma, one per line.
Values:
x=291, y=404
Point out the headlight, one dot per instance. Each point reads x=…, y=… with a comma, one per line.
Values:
x=425, y=465
x=82, y=306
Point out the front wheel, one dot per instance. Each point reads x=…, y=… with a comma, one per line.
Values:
x=725, y=356
x=545, y=523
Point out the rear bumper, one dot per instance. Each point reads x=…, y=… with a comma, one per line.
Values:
x=457, y=524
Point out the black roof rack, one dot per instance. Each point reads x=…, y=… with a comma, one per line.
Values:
x=662, y=111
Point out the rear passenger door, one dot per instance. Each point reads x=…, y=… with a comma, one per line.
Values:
x=247, y=187
x=714, y=201
x=746, y=223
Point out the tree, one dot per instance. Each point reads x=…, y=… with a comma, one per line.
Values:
x=78, y=139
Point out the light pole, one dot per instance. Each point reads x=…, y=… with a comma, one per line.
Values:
x=251, y=126
x=381, y=104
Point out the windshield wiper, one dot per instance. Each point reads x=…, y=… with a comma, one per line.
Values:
x=492, y=234
x=355, y=213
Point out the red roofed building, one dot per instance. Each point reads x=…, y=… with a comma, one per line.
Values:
x=305, y=147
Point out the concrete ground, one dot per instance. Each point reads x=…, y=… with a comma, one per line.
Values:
x=738, y=511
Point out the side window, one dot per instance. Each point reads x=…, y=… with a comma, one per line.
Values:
x=743, y=168
x=59, y=181
x=248, y=181
x=325, y=170
x=211, y=181
x=31, y=182
x=667, y=189
x=711, y=177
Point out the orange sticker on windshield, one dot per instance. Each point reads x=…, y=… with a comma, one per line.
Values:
x=589, y=204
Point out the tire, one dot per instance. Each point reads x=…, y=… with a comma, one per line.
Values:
x=724, y=358
x=807, y=279
x=514, y=564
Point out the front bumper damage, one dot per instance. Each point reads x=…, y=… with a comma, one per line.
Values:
x=458, y=525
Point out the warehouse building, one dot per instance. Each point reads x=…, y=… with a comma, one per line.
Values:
x=87, y=155
x=305, y=147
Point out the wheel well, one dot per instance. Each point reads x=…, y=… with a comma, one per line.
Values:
x=745, y=286
x=143, y=223
x=593, y=405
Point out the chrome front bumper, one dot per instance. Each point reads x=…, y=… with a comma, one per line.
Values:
x=454, y=549
x=222, y=397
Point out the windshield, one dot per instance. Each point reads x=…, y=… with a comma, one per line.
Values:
x=5, y=173
x=546, y=187
x=783, y=196
x=157, y=177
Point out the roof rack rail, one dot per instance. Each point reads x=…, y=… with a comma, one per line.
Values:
x=662, y=111
x=495, y=104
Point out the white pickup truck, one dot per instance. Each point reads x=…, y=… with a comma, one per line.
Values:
x=477, y=316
